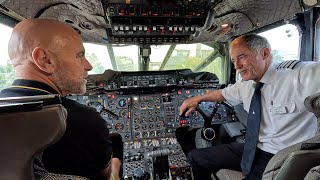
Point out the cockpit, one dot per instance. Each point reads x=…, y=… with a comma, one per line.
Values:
x=148, y=56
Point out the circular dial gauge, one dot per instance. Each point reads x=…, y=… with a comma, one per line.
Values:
x=122, y=103
x=119, y=127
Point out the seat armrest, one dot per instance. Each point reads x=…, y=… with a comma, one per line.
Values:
x=298, y=164
x=313, y=174
x=227, y=174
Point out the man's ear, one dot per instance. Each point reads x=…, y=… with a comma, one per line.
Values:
x=42, y=60
x=266, y=53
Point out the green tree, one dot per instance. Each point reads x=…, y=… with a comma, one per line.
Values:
x=217, y=67
x=7, y=75
x=276, y=56
x=125, y=63
x=190, y=63
x=96, y=64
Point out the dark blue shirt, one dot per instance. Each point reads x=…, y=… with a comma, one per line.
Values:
x=84, y=149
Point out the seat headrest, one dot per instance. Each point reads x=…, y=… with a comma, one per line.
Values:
x=312, y=103
x=27, y=126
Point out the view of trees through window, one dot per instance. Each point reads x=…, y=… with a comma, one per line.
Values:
x=187, y=56
x=6, y=69
x=7, y=74
x=96, y=64
x=284, y=42
x=217, y=66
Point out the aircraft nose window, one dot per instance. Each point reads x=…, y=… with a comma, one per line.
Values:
x=197, y=57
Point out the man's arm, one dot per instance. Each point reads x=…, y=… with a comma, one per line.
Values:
x=115, y=169
x=111, y=172
x=191, y=103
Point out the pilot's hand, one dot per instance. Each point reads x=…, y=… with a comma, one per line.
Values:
x=112, y=171
x=115, y=165
x=189, y=104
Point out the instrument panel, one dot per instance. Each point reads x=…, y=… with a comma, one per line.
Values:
x=150, y=115
x=147, y=124
x=143, y=107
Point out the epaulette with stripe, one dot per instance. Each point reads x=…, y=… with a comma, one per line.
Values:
x=289, y=64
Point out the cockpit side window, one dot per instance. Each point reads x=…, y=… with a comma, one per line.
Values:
x=6, y=69
x=317, y=41
x=284, y=41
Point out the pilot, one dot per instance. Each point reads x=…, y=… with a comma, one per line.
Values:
x=284, y=121
x=49, y=58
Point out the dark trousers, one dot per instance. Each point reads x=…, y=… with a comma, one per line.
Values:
x=228, y=156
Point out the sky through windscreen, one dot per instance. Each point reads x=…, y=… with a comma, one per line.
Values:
x=283, y=38
x=5, y=33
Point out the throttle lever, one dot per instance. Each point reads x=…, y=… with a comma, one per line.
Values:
x=183, y=115
x=101, y=109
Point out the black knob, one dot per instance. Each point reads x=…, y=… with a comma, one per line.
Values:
x=208, y=134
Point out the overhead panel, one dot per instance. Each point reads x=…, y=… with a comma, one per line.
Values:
x=154, y=22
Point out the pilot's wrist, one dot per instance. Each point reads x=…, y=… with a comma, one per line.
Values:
x=201, y=98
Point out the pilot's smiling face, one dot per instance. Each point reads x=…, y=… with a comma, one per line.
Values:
x=247, y=62
x=72, y=68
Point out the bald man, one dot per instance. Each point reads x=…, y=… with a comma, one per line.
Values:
x=49, y=58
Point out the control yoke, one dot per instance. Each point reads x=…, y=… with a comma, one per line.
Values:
x=207, y=132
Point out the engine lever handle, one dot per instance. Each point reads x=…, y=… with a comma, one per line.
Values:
x=183, y=115
x=111, y=113
x=101, y=109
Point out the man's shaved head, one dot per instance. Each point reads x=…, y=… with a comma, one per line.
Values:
x=50, y=52
x=33, y=33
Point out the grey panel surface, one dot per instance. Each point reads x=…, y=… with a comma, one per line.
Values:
x=88, y=16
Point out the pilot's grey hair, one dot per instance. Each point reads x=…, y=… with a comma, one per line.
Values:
x=256, y=42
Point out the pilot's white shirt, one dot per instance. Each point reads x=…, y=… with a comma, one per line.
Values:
x=284, y=120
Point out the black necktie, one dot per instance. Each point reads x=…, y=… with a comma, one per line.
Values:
x=252, y=130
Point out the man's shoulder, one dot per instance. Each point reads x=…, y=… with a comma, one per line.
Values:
x=240, y=86
x=11, y=92
x=292, y=64
x=73, y=105
x=19, y=92
x=242, y=83
x=290, y=69
x=296, y=69
x=80, y=112
x=295, y=65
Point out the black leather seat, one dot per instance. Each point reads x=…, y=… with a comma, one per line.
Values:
x=27, y=126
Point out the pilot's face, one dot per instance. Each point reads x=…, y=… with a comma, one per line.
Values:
x=72, y=68
x=248, y=63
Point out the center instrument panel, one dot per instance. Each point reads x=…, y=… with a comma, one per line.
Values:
x=147, y=119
